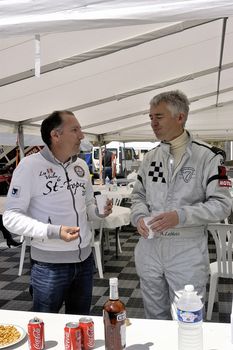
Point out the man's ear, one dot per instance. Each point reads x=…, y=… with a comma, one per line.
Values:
x=181, y=118
x=54, y=135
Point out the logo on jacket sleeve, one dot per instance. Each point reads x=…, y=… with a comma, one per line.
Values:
x=156, y=172
x=187, y=173
x=79, y=170
x=15, y=191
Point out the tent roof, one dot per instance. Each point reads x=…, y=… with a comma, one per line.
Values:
x=105, y=60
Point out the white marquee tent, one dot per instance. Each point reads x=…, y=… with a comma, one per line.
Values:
x=105, y=60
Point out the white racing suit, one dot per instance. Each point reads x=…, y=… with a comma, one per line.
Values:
x=197, y=190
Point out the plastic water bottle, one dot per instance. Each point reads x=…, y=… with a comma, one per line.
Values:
x=107, y=183
x=189, y=312
x=114, y=184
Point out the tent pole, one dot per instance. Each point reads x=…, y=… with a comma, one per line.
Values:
x=20, y=141
x=221, y=57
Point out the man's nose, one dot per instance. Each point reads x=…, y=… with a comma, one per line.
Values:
x=154, y=122
x=81, y=135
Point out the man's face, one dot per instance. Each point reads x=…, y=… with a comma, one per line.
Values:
x=70, y=136
x=166, y=126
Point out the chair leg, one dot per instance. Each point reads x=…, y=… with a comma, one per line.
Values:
x=98, y=258
x=118, y=240
x=106, y=237
x=22, y=256
x=212, y=292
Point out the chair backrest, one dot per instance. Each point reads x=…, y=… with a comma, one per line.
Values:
x=223, y=238
x=116, y=198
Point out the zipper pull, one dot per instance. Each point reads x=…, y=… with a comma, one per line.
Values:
x=171, y=164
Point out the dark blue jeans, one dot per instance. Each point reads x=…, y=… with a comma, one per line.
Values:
x=54, y=284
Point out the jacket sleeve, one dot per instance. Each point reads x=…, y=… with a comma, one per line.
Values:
x=15, y=217
x=139, y=207
x=217, y=204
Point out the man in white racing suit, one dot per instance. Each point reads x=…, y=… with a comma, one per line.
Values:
x=50, y=200
x=182, y=185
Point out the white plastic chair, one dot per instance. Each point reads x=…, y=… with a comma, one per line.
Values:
x=26, y=242
x=96, y=244
x=223, y=267
x=116, y=197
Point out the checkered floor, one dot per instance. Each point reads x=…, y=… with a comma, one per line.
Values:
x=14, y=293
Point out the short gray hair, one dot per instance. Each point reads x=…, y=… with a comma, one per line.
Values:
x=177, y=102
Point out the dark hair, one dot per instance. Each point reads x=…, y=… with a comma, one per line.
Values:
x=53, y=121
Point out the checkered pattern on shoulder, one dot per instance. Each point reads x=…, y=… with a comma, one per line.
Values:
x=156, y=172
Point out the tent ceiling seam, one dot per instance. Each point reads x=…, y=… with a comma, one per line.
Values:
x=145, y=89
x=106, y=50
x=146, y=111
x=210, y=107
x=221, y=56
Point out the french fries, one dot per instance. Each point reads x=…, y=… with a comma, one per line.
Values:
x=8, y=334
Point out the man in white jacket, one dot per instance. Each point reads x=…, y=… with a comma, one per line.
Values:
x=182, y=185
x=50, y=200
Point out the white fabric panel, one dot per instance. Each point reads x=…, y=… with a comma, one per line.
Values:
x=47, y=16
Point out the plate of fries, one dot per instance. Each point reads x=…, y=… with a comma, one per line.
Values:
x=10, y=334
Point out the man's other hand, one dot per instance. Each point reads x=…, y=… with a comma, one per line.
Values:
x=142, y=228
x=69, y=233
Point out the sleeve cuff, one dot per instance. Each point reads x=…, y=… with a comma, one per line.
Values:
x=53, y=231
x=182, y=216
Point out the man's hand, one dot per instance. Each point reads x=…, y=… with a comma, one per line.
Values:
x=68, y=233
x=159, y=223
x=142, y=228
x=107, y=208
x=164, y=221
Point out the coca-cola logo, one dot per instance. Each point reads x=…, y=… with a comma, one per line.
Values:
x=67, y=340
x=37, y=338
x=91, y=339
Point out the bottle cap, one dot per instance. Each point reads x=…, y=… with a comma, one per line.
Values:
x=113, y=281
x=189, y=288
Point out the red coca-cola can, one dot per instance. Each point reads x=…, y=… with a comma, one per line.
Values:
x=87, y=330
x=72, y=338
x=36, y=334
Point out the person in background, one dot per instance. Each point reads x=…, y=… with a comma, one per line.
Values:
x=50, y=199
x=181, y=184
x=107, y=157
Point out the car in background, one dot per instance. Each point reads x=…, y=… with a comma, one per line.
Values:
x=125, y=158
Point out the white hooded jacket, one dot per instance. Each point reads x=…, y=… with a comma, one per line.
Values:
x=45, y=194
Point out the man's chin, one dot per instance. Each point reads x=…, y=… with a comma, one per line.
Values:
x=158, y=137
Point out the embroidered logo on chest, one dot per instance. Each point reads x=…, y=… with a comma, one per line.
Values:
x=187, y=173
x=156, y=172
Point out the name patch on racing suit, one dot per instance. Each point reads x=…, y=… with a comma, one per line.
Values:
x=223, y=179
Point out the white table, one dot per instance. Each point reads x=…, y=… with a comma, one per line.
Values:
x=120, y=216
x=140, y=335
